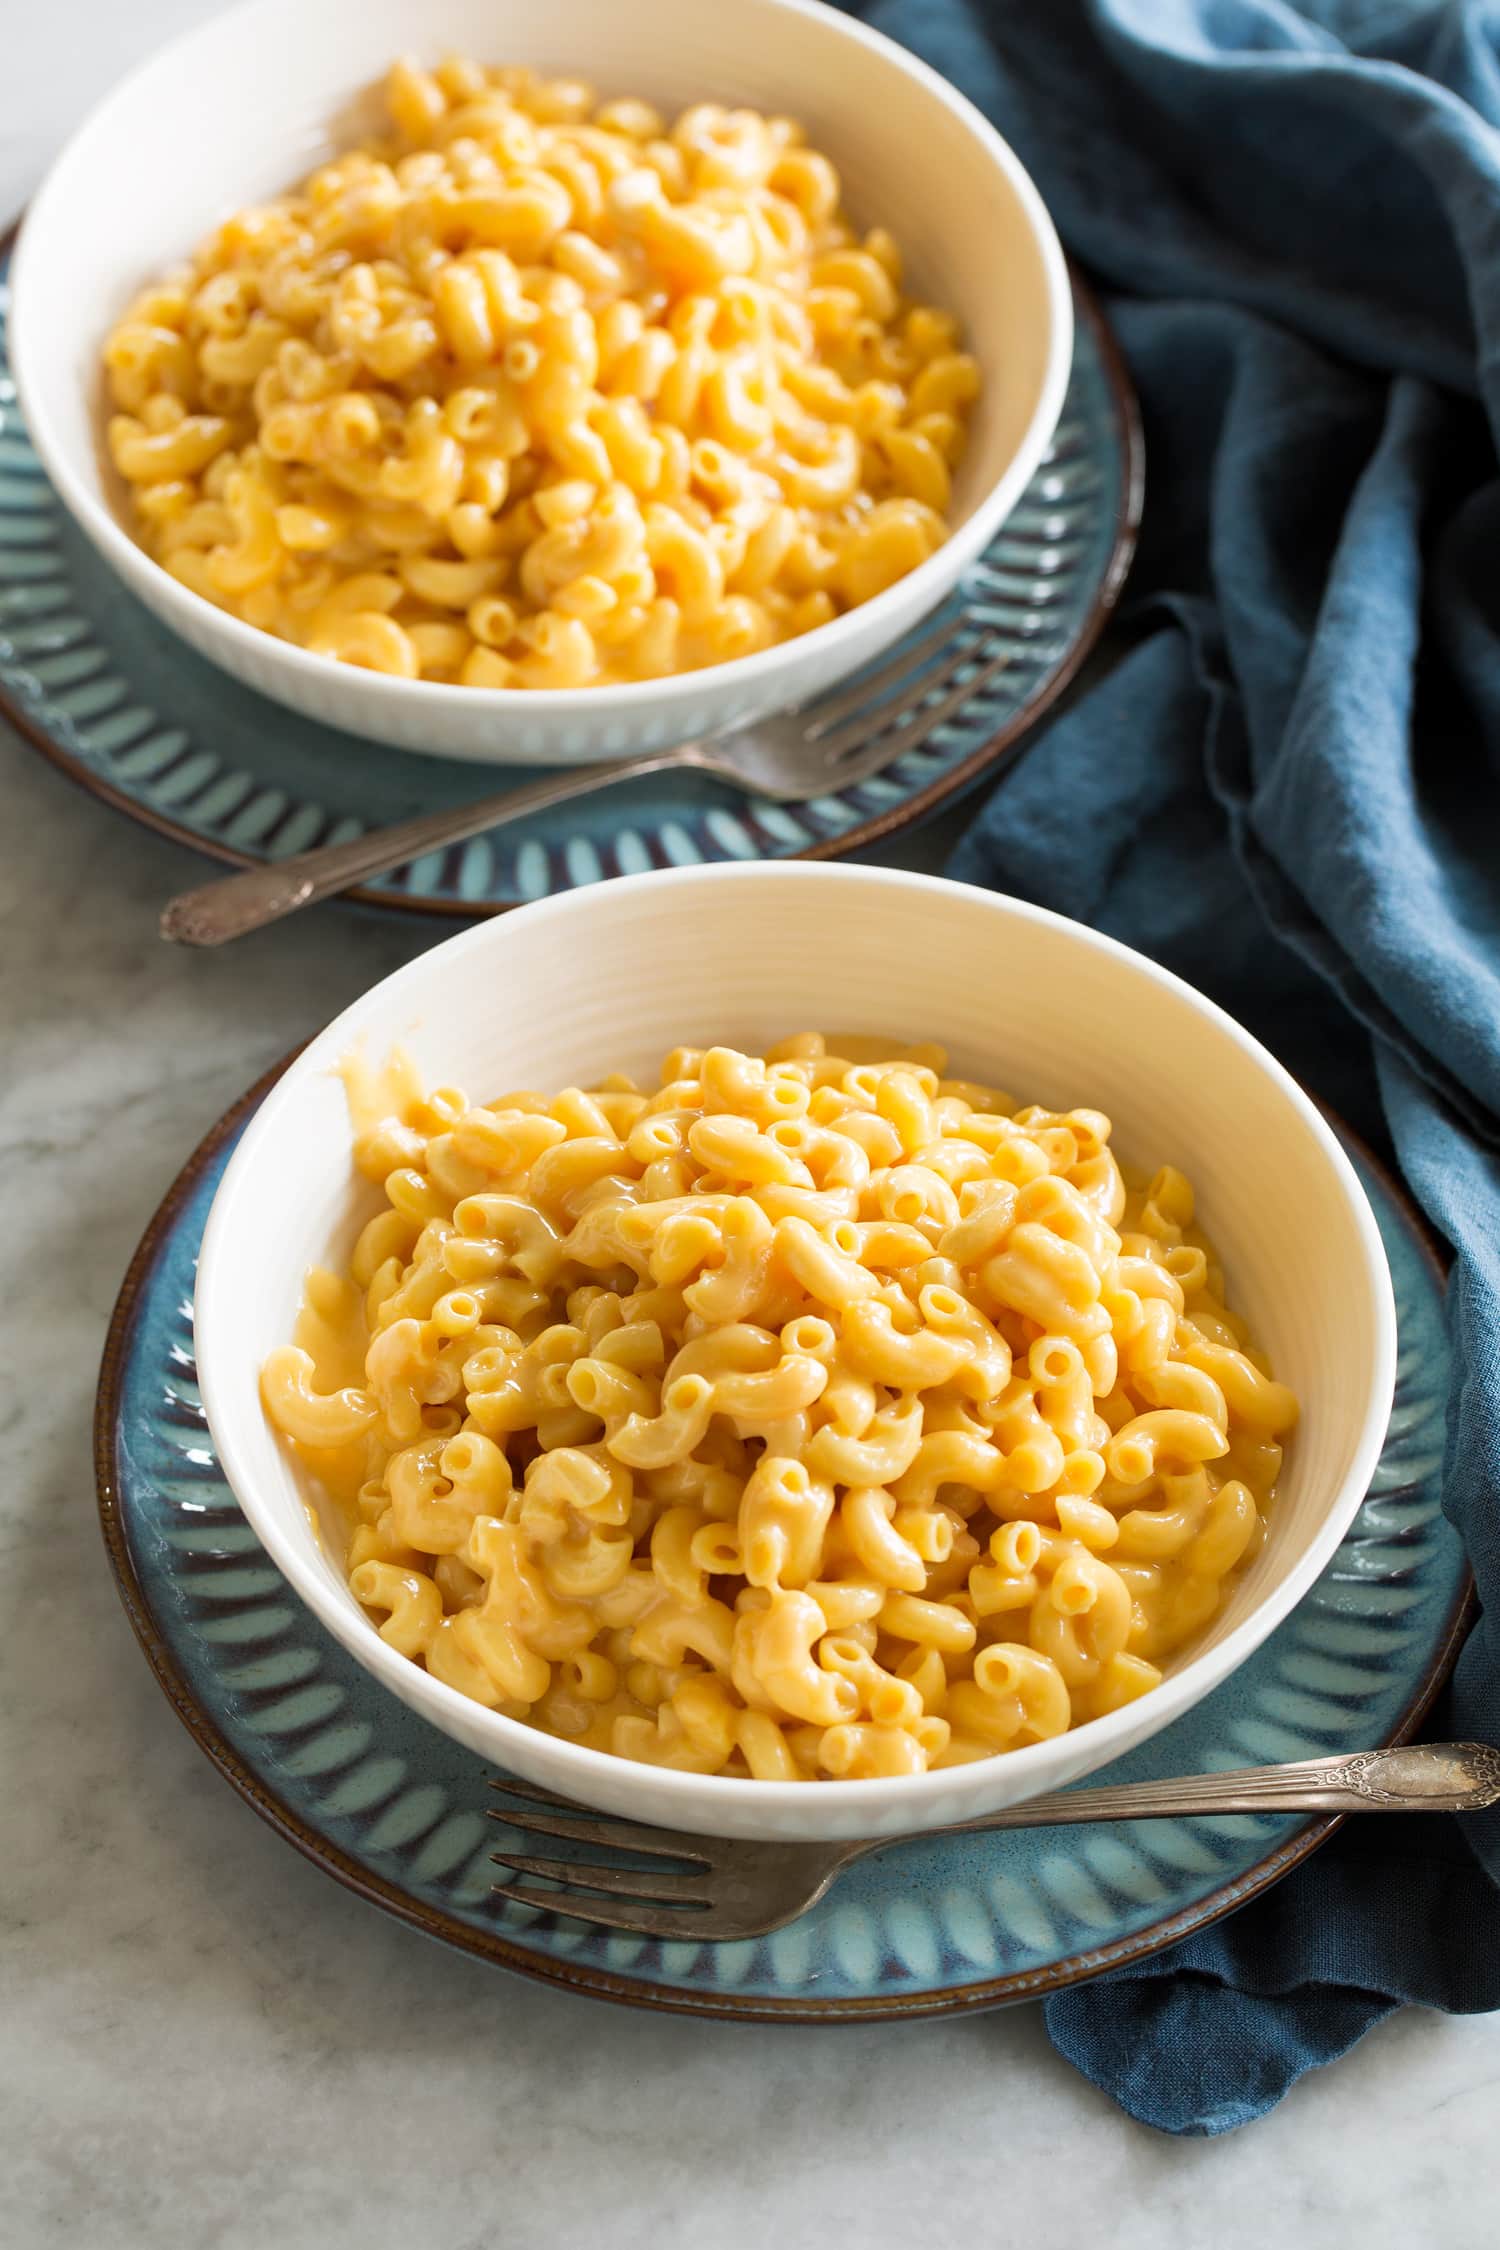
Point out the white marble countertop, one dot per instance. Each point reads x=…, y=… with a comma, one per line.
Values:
x=205, y=2044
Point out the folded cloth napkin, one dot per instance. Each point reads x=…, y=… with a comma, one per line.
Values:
x=1288, y=787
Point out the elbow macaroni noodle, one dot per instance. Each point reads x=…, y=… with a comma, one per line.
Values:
x=816, y=1415
x=541, y=393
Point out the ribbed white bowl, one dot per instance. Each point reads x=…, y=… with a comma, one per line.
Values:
x=611, y=978
x=248, y=103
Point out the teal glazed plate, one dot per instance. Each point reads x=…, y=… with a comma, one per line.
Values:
x=398, y=1812
x=134, y=716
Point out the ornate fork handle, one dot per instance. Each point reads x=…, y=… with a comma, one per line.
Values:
x=1422, y=1777
x=234, y=904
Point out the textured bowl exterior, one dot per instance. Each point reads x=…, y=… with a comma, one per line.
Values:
x=244, y=125
x=610, y=978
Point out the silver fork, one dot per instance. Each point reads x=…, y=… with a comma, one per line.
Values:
x=830, y=744
x=722, y=1888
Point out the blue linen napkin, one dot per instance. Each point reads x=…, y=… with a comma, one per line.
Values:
x=1288, y=789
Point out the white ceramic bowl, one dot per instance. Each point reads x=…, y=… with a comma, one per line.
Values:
x=246, y=104
x=612, y=977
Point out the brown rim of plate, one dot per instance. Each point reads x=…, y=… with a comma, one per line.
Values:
x=1010, y=737
x=604, y=1984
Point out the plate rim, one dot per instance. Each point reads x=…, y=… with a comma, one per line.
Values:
x=605, y=1984
x=998, y=751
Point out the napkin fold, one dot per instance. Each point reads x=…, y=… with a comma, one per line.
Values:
x=1287, y=789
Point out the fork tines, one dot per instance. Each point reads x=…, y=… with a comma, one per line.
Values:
x=882, y=682
x=906, y=702
x=559, y=1816
x=670, y=1886
x=910, y=719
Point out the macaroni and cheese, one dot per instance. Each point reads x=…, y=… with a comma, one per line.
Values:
x=815, y=1415
x=541, y=392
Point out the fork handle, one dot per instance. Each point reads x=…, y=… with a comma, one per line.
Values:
x=1422, y=1777
x=236, y=904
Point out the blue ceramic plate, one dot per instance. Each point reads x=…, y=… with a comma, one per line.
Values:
x=131, y=713
x=398, y=1812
